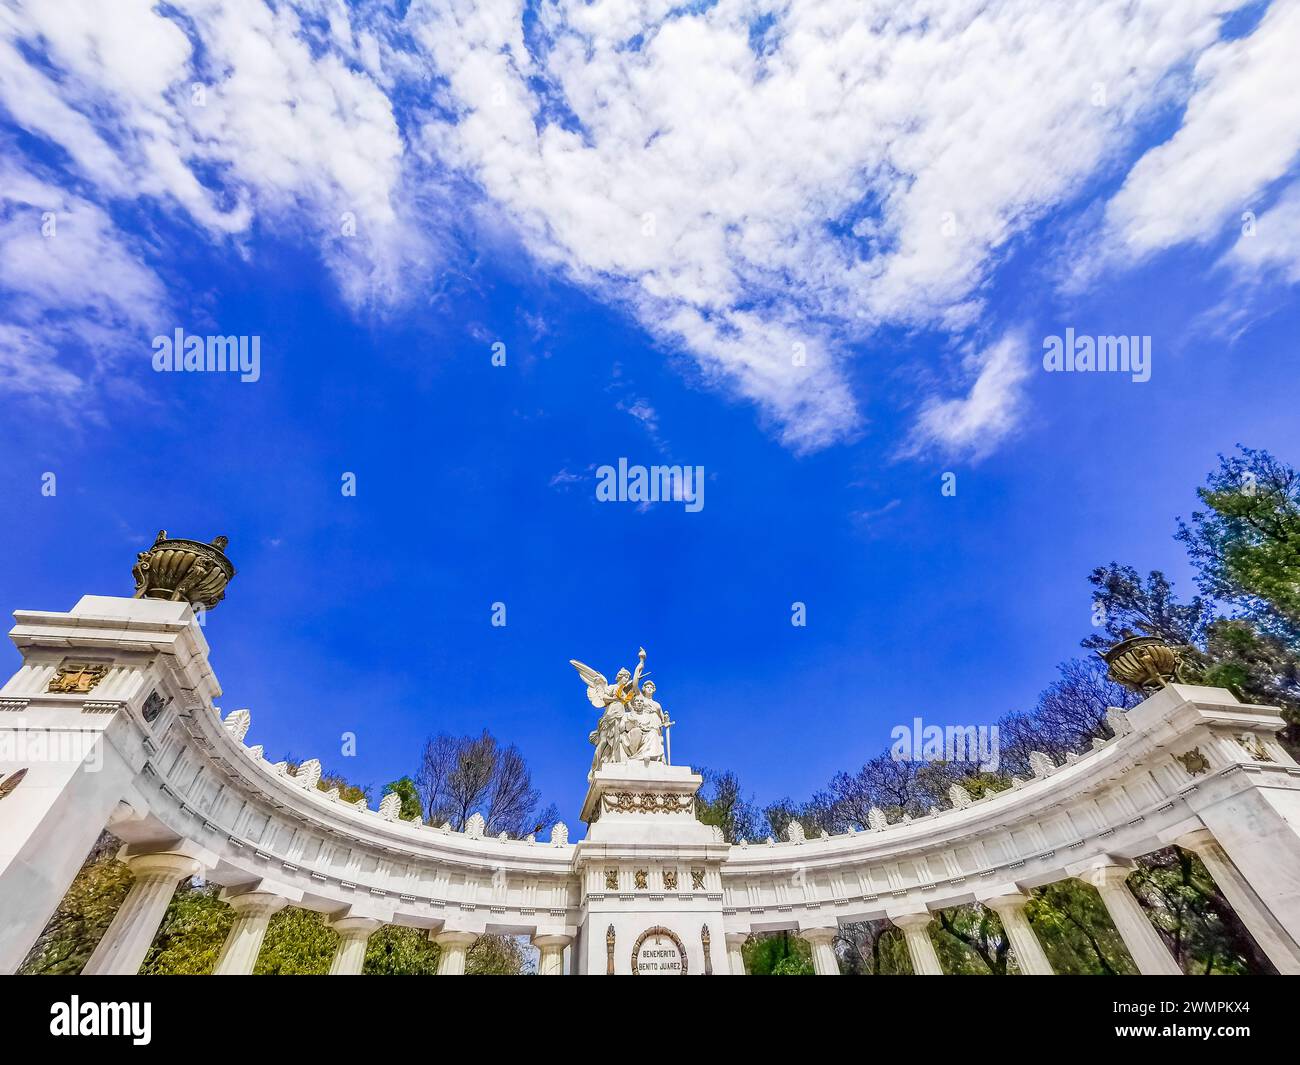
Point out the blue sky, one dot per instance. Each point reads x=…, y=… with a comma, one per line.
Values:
x=653, y=209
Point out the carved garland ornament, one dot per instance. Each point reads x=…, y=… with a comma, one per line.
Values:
x=647, y=803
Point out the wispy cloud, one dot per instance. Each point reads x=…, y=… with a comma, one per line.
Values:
x=974, y=424
x=763, y=187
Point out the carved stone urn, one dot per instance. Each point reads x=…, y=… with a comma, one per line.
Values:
x=1144, y=663
x=183, y=571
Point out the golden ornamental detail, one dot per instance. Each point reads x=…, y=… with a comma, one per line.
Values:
x=647, y=803
x=183, y=571
x=1194, y=762
x=1145, y=664
x=77, y=678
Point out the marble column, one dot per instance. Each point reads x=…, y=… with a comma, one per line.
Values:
x=1272, y=938
x=121, y=952
x=1144, y=944
x=455, y=946
x=920, y=947
x=350, y=955
x=1024, y=942
x=253, y=913
x=823, y=949
x=551, y=954
x=735, y=954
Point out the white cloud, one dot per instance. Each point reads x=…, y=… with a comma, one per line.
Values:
x=264, y=120
x=763, y=184
x=1273, y=247
x=976, y=423
x=1241, y=132
x=68, y=279
x=864, y=168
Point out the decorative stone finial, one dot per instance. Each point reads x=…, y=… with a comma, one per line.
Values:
x=794, y=832
x=237, y=722
x=183, y=571
x=959, y=797
x=1041, y=764
x=1118, y=721
x=308, y=774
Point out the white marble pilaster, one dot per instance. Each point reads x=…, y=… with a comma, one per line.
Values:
x=551, y=954
x=1024, y=942
x=455, y=946
x=350, y=955
x=122, y=950
x=920, y=947
x=735, y=953
x=1268, y=932
x=822, y=941
x=1144, y=944
x=253, y=913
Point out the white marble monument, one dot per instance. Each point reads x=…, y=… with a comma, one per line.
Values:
x=111, y=721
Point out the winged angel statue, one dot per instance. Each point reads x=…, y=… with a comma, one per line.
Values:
x=632, y=727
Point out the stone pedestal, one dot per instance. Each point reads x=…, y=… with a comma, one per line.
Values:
x=651, y=875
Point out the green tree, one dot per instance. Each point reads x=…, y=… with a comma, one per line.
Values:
x=778, y=954
x=1076, y=932
x=971, y=941
x=83, y=916
x=1192, y=915
x=411, y=805
x=191, y=936
x=395, y=951
x=1246, y=545
x=298, y=943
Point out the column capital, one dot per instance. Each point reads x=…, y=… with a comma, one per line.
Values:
x=357, y=927
x=736, y=939
x=1198, y=840
x=452, y=938
x=164, y=865
x=550, y=941
x=257, y=903
x=1008, y=900
x=823, y=934
x=915, y=919
x=1105, y=873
